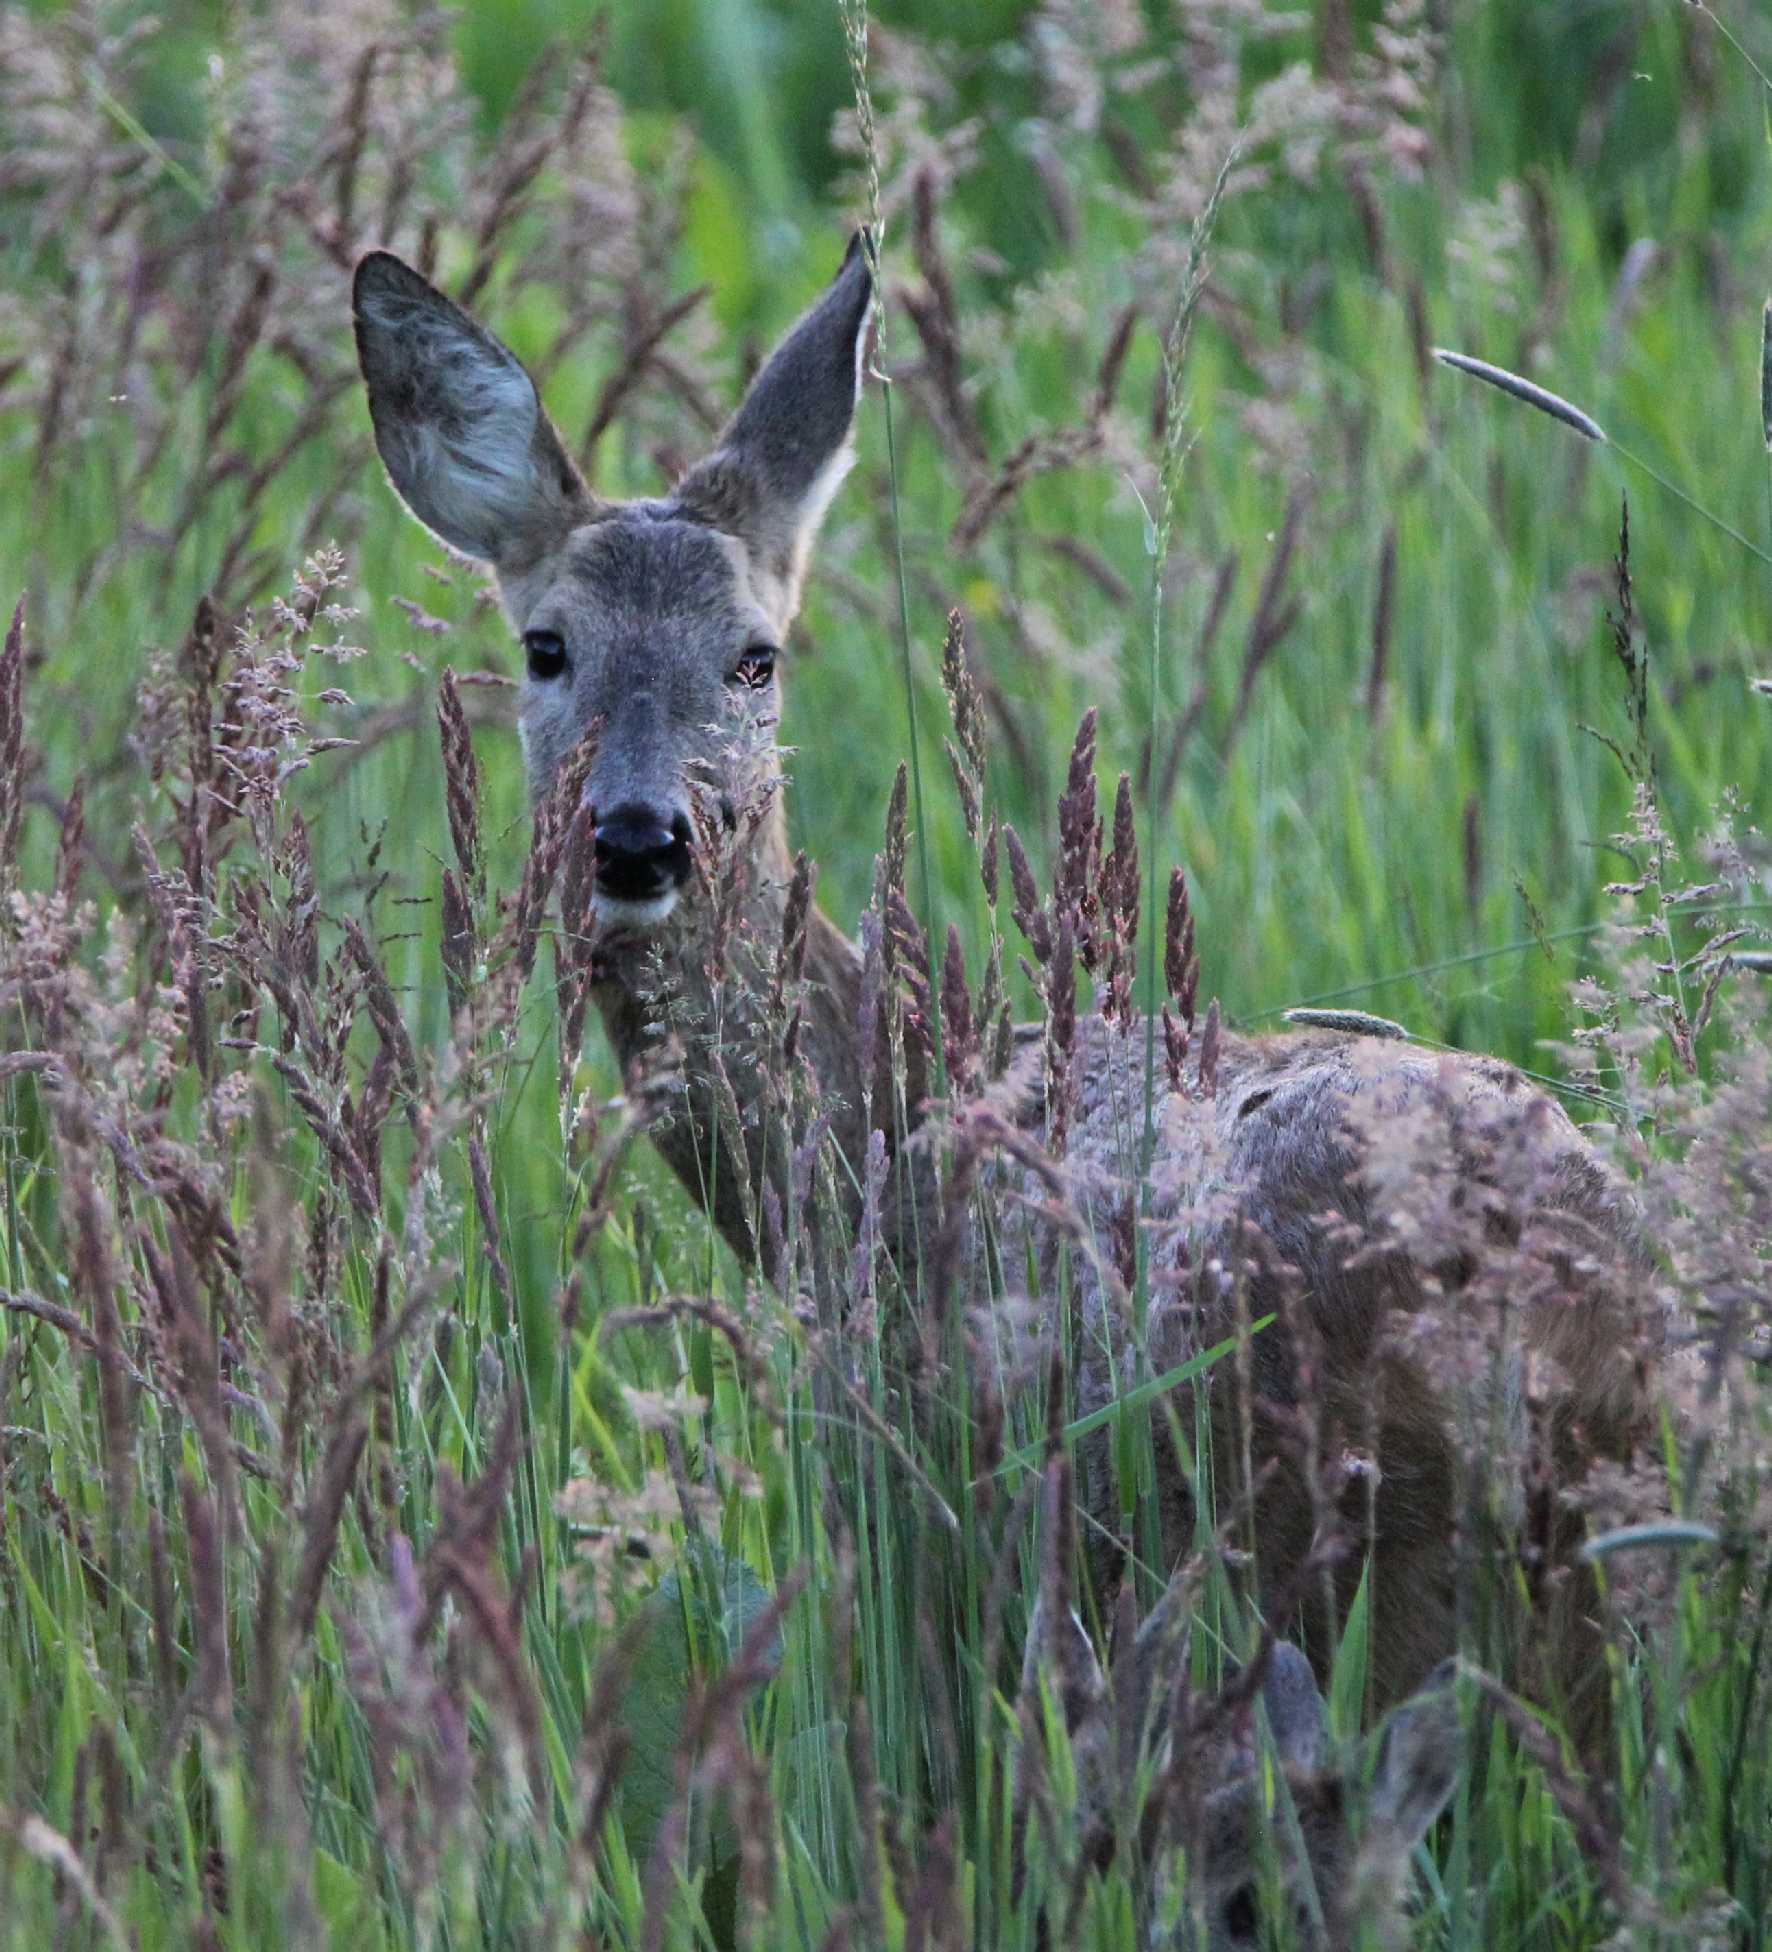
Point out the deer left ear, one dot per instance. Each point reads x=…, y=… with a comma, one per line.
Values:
x=784, y=453
x=1296, y=1714
x=458, y=423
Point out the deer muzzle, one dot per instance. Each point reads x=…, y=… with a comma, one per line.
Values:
x=642, y=855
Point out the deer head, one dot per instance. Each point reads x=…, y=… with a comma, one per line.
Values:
x=661, y=619
x=1356, y=1817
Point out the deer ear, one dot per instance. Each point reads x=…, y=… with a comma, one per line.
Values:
x=1159, y=1654
x=1420, y=1753
x=782, y=456
x=458, y=423
x=1295, y=1710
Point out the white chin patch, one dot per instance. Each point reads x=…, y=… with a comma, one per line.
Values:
x=612, y=913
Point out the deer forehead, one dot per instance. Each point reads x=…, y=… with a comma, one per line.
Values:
x=1233, y=1821
x=640, y=578
x=652, y=609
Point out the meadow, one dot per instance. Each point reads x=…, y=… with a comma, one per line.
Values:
x=416, y=1528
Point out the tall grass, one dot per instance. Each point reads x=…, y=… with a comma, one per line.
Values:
x=415, y=1531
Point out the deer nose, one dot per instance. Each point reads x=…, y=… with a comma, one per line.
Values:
x=641, y=852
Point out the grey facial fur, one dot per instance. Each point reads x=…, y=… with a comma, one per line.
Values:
x=655, y=613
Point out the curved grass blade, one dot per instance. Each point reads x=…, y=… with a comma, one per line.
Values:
x=1627, y=1538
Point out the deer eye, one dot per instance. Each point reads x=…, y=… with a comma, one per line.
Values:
x=545, y=652
x=1239, y=1915
x=755, y=668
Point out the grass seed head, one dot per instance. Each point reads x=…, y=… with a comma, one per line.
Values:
x=1539, y=397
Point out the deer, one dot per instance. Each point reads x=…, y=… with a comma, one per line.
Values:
x=1370, y=1200
x=1316, y=1849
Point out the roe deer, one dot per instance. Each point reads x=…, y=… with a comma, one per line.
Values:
x=1336, y=1879
x=1383, y=1202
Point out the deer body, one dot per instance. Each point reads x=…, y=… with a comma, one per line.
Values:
x=1280, y=1192
x=1272, y=1198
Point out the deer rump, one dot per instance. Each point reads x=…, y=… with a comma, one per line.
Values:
x=1458, y=1325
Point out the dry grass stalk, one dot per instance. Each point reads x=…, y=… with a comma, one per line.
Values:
x=461, y=777
x=1275, y=613
x=1378, y=669
x=12, y=746
x=1766, y=374
x=935, y=313
x=1048, y=453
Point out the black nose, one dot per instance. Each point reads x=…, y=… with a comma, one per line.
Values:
x=641, y=852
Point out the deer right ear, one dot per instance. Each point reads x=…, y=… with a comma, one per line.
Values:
x=1420, y=1753
x=783, y=454
x=458, y=423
